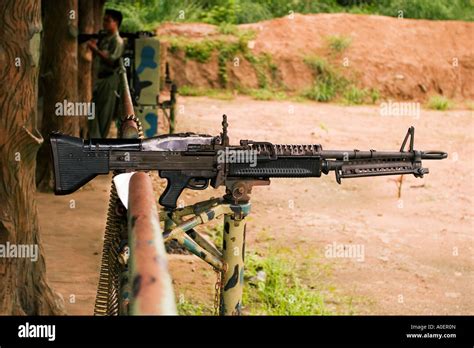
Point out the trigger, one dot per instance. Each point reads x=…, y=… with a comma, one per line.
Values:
x=197, y=184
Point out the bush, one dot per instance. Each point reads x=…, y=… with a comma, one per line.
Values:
x=438, y=102
x=199, y=50
x=252, y=11
x=428, y=9
x=354, y=95
x=338, y=43
x=227, y=29
x=374, y=95
x=321, y=91
x=328, y=81
x=225, y=13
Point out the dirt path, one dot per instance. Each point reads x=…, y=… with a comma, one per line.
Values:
x=418, y=252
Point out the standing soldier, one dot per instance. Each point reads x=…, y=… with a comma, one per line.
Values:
x=106, y=63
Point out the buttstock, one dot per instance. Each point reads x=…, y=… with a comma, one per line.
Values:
x=74, y=167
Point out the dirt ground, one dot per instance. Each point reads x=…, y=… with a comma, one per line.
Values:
x=419, y=252
x=402, y=58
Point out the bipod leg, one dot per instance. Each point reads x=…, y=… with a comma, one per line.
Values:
x=234, y=255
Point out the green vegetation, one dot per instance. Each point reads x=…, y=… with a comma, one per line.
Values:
x=438, y=102
x=227, y=94
x=374, y=94
x=190, y=91
x=427, y=9
x=355, y=95
x=278, y=284
x=216, y=234
x=190, y=308
x=266, y=94
x=321, y=91
x=338, y=43
x=264, y=66
x=228, y=29
x=281, y=291
x=202, y=50
x=228, y=50
x=323, y=126
x=147, y=14
x=328, y=83
x=199, y=50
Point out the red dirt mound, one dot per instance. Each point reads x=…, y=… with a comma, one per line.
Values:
x=402, y=58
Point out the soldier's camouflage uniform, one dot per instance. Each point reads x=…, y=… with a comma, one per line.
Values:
x=106, y=87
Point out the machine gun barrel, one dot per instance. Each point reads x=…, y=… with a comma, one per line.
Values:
x=356, y=154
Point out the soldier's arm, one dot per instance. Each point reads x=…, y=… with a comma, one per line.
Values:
x=108, y=57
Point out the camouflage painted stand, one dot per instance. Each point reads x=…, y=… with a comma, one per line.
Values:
x=146, y=83
x=146, y=86
x=230, y=261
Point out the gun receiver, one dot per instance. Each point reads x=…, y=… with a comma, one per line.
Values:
x=194, y=161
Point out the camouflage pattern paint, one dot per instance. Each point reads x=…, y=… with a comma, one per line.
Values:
x=147, y=84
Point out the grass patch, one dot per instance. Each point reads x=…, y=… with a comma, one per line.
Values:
x=185, y=307
x=264, y=67
x=191, y=91
x=374, y=95
x=338, y=43
x=282, y=291
x=227, y=94
x=355, y=96
x=246, y=35
x=328, y=83
x=320, y=66
x=321, y=91
x=439, y=102
x=216, y=234
x=227, y=29
x=266, y=94
x=199, y=50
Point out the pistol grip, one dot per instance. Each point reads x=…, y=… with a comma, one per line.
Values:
x=177, y=182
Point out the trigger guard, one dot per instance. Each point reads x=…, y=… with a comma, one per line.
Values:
x=197, y=187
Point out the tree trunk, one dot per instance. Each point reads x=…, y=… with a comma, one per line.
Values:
x=98, y=14
x=84, y=82
x=23, y=286
x=59, y=59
